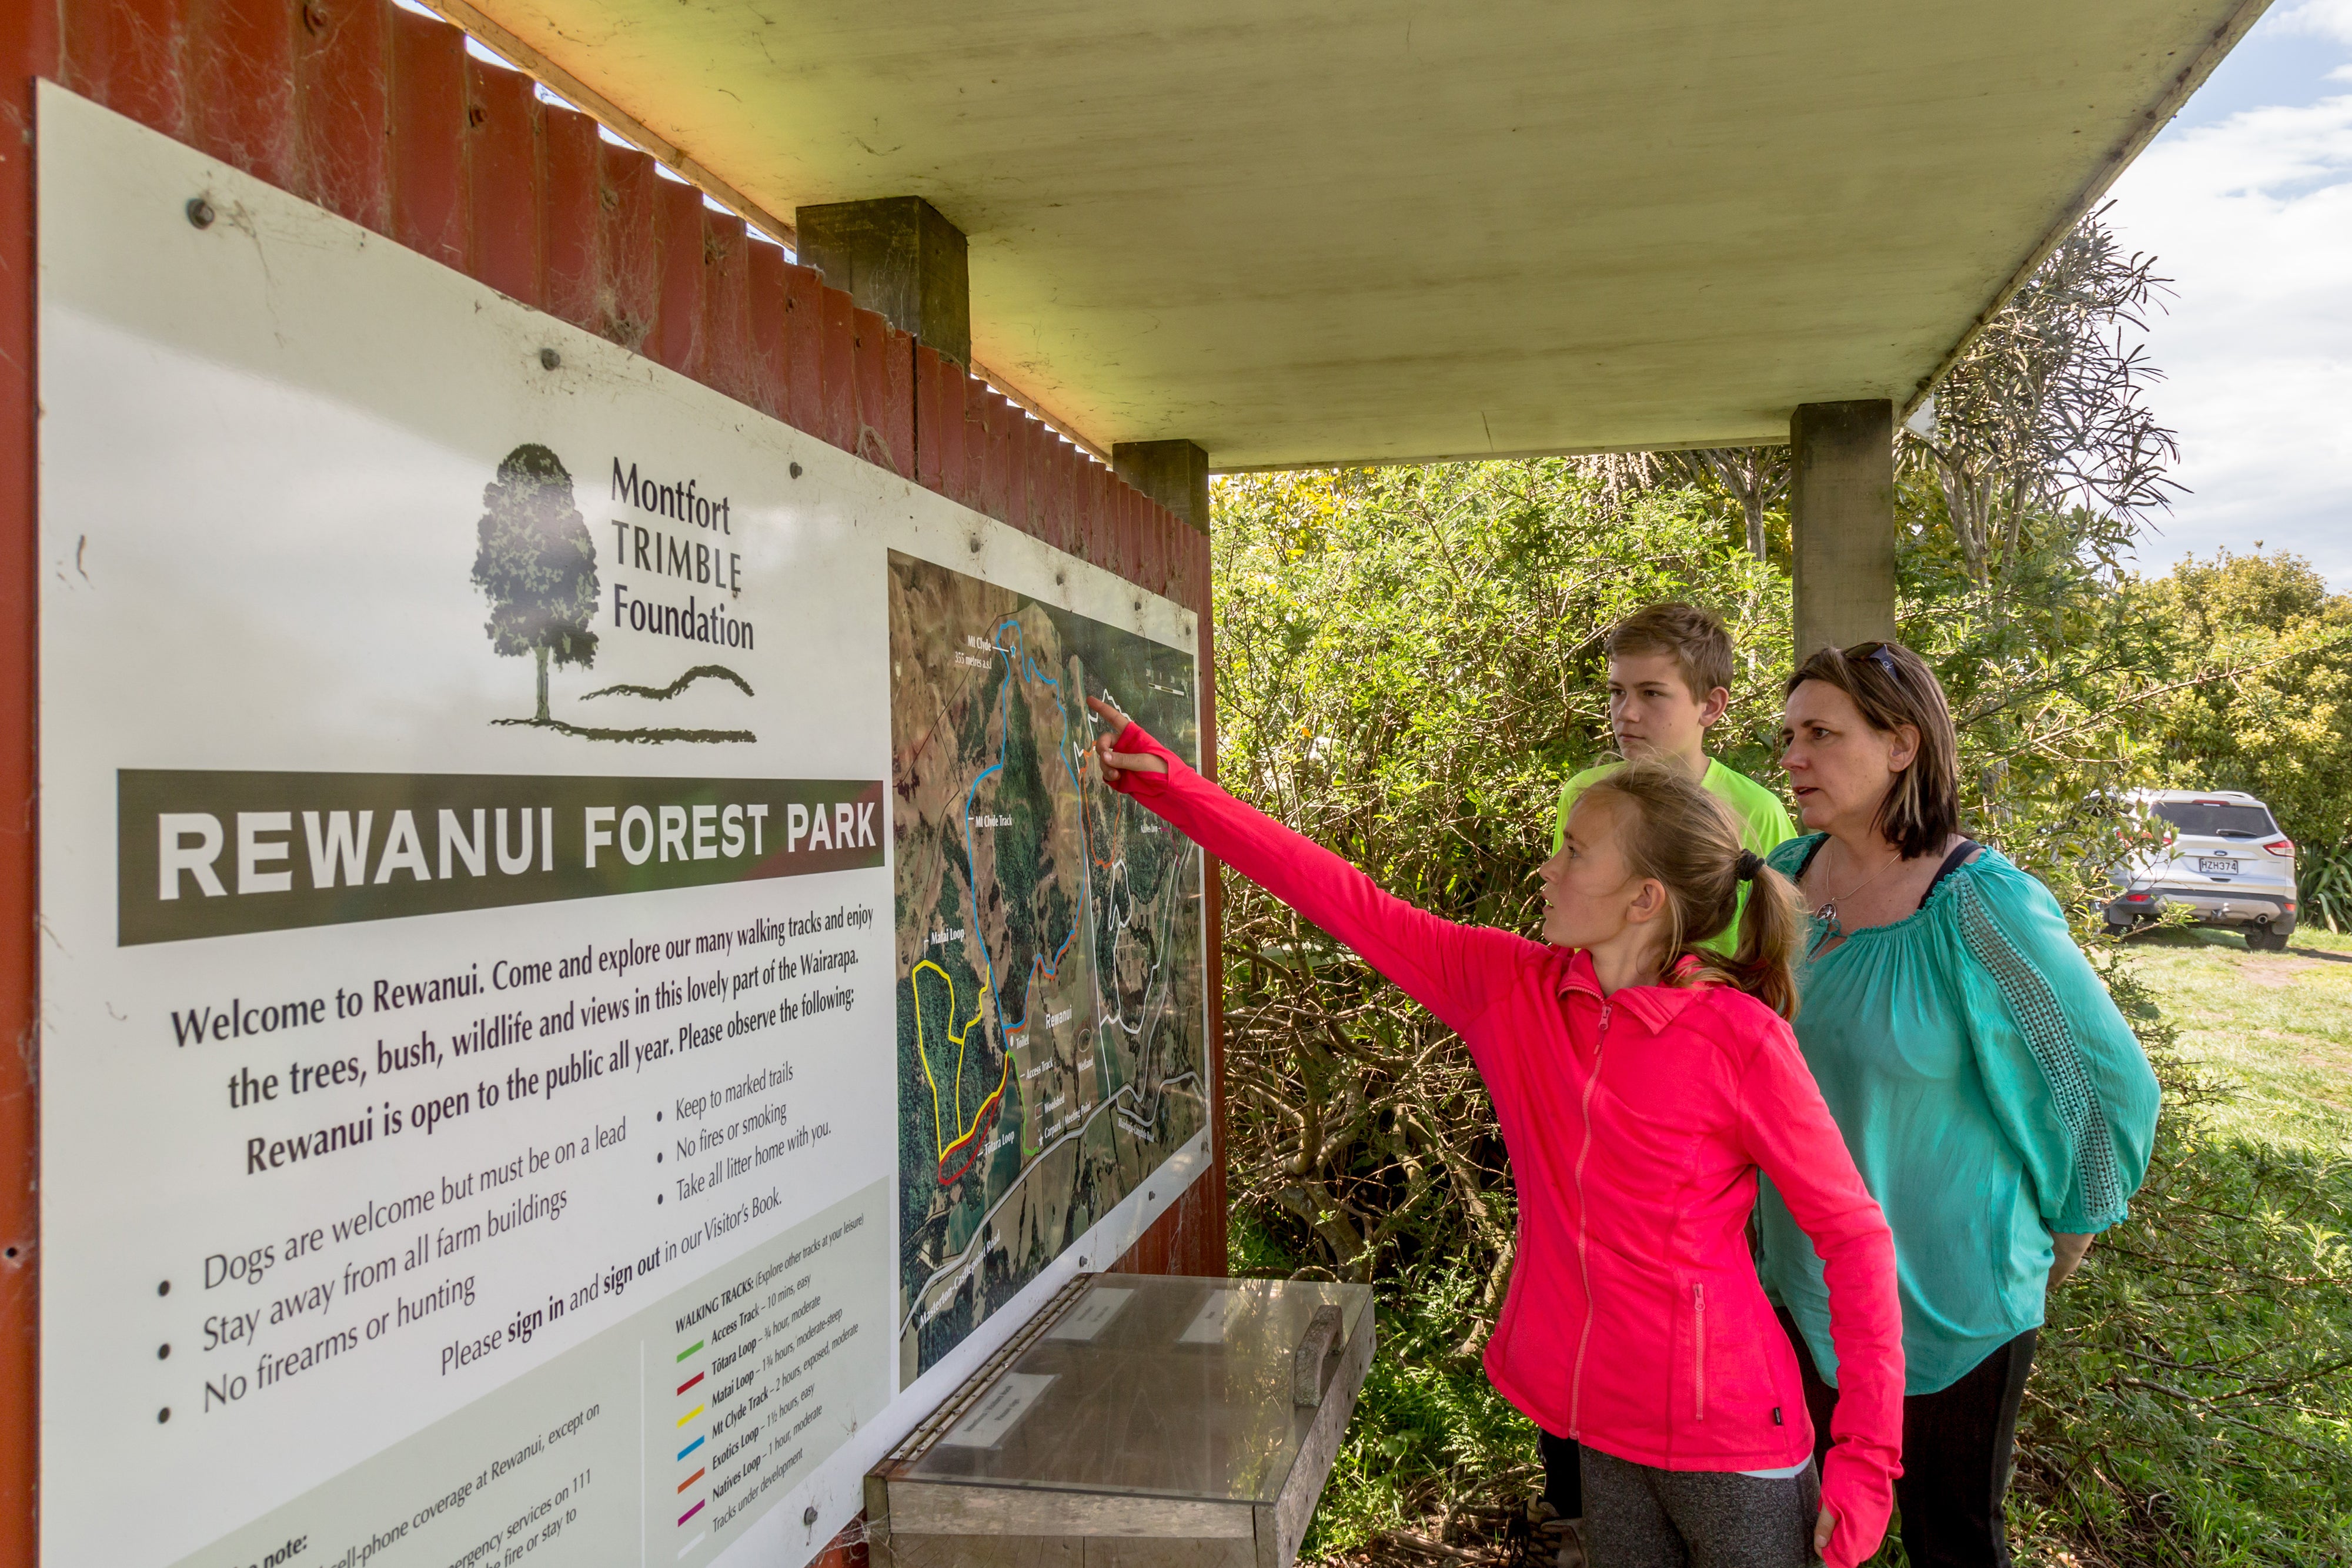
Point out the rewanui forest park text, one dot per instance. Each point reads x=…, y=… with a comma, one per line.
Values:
x=206, y=854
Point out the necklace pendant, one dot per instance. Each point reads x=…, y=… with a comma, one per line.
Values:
x=1828, y=915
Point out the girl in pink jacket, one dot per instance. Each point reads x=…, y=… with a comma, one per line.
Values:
x=1641, y=1085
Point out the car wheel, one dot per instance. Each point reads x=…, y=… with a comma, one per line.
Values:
x=2266, y=941
x=2118, y=931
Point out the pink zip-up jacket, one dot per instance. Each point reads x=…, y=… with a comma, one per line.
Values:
x=1636, y=1123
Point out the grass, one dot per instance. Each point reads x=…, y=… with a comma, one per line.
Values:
x=2192, y=1404
x=2274, y=1029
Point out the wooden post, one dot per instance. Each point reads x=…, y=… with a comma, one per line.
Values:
x=1842, y=513
x=899, y=257
x=1173, y=473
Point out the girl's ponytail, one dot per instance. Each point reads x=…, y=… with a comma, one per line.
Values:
x=1770, y=930
x=1683, y=836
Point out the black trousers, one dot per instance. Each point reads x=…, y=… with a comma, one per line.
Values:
x=1957, y=1444
x=1563, y=1477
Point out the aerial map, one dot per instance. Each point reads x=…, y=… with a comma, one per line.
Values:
x=1051, y=983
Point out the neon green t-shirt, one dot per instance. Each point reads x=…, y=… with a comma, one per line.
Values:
x=1764, y=824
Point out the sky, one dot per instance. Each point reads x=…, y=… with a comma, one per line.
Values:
x=2245, y=200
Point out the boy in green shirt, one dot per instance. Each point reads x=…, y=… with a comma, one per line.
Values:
x=1670, y=671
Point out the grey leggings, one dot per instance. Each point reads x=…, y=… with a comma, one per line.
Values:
x=1637, y=1517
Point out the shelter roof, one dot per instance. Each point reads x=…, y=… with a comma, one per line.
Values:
x=1382, y=230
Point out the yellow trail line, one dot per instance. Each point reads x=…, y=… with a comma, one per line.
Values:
x=956, y=1037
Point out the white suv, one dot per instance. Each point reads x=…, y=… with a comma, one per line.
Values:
x=2225, y=859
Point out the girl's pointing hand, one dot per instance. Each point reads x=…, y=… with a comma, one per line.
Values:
x=1106, y=755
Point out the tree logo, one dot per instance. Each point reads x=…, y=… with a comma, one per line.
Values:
x=537, y=565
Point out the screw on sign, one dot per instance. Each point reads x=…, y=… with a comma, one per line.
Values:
x=200, y=212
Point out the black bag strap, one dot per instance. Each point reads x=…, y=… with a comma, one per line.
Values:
x=1807, y=864
x=1960, y=852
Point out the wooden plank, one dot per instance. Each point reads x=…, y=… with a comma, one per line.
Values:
x=341, y=107
x=1148, y=569
x=502, y=182
x=727, y=343
x=886, y=413
x=837, y=376
x=898, y=388
x=1154, y=543
x=1110, y=522
x=976, y=412
x=573, y=217
x=30, y=44
x=1319, y=1447
x=1177, y=545
x=927, y=416
x=1037, y=444
x=763, y=293
x=1062, y=462
x=129, y=55
x=1132, y=506
x=1017, y=430
x=1005, y=421
x=677, y=340
x=953, y=431
x=1157, y=521
x=996, y=477
x=428, y=148
x=1086, y=512
x=241, y=86
x=628, y=255
x=85, y=48
x=805, y=348
x=975, y=444
x=1128, y=507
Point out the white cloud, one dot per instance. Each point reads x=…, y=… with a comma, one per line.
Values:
x=2319, y=18
x=2252, y=218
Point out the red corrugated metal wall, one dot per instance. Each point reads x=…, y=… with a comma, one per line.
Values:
x=383, y=116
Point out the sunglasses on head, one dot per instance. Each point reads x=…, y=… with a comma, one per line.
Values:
x=1880, y=655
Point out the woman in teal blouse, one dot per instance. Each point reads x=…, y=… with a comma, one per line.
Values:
x=1994, y=1100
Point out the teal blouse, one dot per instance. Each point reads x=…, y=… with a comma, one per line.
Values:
x=1991, y=1095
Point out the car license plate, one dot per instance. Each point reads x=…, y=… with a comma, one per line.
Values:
x=2217, y=866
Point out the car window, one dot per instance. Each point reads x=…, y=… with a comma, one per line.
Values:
x=2217, y=819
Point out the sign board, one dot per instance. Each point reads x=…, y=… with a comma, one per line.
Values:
x=586, y=982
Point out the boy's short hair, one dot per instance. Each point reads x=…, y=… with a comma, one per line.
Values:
x=1696, y=637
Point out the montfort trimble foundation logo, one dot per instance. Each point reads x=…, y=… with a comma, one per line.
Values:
x=537, y=565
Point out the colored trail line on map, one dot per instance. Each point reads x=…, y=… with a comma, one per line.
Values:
x=1017, y=657
x=956, y=1037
